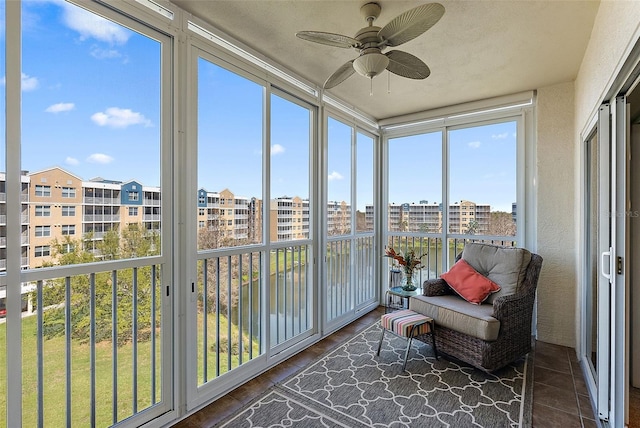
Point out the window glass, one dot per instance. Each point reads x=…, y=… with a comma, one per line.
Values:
x=415, y=183
x=290, y=135
x=364, y=183
x=230, y=153
x=89, y=123
x=339, y=178
x=482, y=180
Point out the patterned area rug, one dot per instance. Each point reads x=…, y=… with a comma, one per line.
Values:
x=352, y=387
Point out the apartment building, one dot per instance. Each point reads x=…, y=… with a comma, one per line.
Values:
x=289, y=218
x=465, y=217
x=55, y=212
x=338, y=217
x=24, y=222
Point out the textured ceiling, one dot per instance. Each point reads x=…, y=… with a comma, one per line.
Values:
x=479, y=49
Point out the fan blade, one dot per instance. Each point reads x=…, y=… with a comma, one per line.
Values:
x=406, y=65
x=331, y=39
x=410, y=24
x=340, y=75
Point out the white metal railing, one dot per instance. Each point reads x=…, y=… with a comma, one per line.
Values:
x=291, y=293
x=431, y=248
x=110, y=344
x=350, y=265
x=101, y=201
x=229, y=313
x=101, y=217
x=230, y=305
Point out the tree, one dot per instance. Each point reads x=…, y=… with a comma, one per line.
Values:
x=109, y=247
x=472, y=227
x=130, y=285
x=501, y=224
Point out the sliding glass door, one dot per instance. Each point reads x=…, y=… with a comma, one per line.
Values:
x=251, y=225
x=350, y=214
x=605, y=280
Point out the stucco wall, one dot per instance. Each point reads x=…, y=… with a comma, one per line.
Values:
x=614, y=33
x=564, y=111
x=556, y=214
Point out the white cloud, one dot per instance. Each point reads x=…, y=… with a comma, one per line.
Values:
x=60, y=107
x=277, y=149
x=500, y=136
x=474, y=144
x=100, y=158
x=335, y=175
x=90, y=25
x=29, y=83
x=71, y=161
x=115, y=117
x=100, y=53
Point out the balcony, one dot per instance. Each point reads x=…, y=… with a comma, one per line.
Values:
x=101, y=218
x=92, y=200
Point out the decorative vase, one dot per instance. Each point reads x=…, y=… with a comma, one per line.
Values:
x=409, y=282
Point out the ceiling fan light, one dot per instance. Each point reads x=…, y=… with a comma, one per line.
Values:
x=371, y=64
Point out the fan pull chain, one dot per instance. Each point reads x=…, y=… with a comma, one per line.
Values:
x=388, y=82
x=371, y=88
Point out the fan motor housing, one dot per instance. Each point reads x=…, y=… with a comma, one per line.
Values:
x=368, y=36
x=370, y=11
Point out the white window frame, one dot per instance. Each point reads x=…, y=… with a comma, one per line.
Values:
x=43, y=211
x=42, y=191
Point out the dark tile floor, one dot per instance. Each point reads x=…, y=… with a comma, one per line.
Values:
x=559, y=393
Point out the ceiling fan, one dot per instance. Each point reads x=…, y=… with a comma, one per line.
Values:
x=372, y=40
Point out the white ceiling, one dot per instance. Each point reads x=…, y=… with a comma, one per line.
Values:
x=479, y=49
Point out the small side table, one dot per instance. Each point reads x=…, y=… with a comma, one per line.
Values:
x=396, y=298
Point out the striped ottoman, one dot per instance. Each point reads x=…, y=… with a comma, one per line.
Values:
x=407, y=324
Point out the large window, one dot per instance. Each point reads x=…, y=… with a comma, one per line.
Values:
x=230, y=154
x=350, y=261
x=251, y=237
x=93, y=346
x=482, y=180
x=339, y=164
x=290, y=135
x=452, y=185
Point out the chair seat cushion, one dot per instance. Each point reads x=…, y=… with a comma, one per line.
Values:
x=506, y=266
x=457, y=314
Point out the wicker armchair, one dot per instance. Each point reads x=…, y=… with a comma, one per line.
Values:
x=514, y=313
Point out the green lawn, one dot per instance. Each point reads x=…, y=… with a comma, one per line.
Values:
x=54, y=375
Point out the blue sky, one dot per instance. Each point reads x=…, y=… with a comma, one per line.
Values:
x=482, y=169
x=91, y=95
x=91, y=105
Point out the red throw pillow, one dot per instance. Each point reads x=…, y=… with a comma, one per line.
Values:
x=468, y=283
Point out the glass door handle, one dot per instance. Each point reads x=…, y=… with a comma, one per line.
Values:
x=602, y=256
